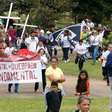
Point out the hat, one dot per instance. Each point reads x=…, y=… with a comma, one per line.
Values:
x=42, y=31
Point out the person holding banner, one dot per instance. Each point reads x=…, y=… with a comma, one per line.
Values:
x=44, y=62
x=54, y=77
x=23, y=51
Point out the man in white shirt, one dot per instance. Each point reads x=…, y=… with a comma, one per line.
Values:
x=32, y=41
x=103, y=60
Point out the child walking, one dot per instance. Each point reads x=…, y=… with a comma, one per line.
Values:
x=83, y=84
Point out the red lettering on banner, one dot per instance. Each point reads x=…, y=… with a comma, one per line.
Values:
x=3, y=66
x=20, y=66
x=23, y=75
x=8, y=76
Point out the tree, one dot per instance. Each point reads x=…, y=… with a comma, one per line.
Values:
x=94, y=9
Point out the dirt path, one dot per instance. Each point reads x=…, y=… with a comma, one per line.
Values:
x=98, y=88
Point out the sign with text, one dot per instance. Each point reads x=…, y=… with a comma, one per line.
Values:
x=27, y=71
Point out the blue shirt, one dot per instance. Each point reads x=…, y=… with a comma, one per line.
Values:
x=109, y=64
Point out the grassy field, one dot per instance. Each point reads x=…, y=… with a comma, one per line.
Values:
x=71, y=68
x=19, y=103
x=35, y=103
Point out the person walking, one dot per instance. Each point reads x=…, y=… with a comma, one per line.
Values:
x=81, y=50
x=65, y=44
x=109, y=71
x=103, y=60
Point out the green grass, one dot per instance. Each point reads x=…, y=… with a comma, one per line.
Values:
x=36, y=104
x=71, y=68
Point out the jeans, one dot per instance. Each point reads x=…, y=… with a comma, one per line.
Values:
x=105, y=74
x=80, y=59
x=53, y=101
x=110, y=83
x=36, y=86
x=94, y=53
x=43, y=79
x=65, y=53
x=16, y=87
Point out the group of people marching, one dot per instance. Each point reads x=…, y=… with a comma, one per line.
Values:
x=43, y=44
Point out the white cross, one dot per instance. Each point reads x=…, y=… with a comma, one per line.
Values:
x=25, y=25
x=9, y=17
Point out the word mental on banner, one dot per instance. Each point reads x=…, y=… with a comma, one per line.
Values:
x=20, y=72
x=9, y=17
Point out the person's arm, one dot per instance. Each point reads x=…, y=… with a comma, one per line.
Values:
x=51, y=77
x=77, y=94
x=44, y=60
x=61, y=80
x=88, y=87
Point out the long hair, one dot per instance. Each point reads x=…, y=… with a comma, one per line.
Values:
x=81, y=83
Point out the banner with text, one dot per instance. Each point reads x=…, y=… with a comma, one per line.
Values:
x=27, y=71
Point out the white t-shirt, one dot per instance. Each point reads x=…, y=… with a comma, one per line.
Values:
x=104, y=57
x=9, y=50
x=65, y=42
x=44, y=61
x=94, y=40
x=81, y=49
x=101, y=34
x=31, y=43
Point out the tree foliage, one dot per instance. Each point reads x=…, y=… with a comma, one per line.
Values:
x=94, y=9
x=46, y=12
x=42, y=12
x=107, y=40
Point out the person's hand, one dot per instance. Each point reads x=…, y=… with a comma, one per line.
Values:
x=76, y=94
x=57, y=81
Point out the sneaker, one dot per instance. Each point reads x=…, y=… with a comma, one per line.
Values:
x=68, y=60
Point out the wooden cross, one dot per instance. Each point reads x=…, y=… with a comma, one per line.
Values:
x=25, y=25
x=9, y=17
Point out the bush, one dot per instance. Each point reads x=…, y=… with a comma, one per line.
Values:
x=108, y=40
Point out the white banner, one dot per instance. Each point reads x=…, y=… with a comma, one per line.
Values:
x=20, y=72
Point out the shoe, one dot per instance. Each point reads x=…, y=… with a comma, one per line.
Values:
x=16, y=91
x=65, y=61
x=68, y=60
x=9, y=90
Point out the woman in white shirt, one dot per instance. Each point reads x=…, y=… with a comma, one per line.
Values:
x=41, y=45
x=94, y=43
x=65, y=44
